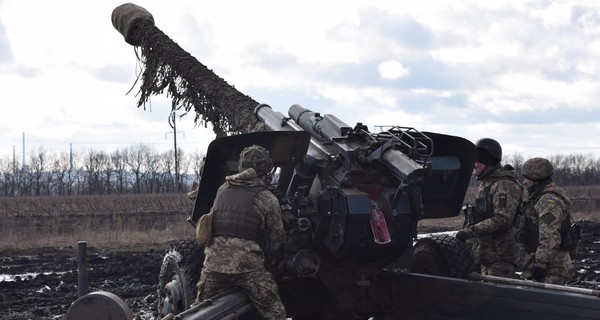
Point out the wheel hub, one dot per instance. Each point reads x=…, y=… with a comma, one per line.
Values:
x=173, y=297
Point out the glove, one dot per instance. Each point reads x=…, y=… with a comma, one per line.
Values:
x=462, y=235
x=538, y=274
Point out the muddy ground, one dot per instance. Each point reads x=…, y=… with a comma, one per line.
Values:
x=133, y=275
x=130, y=275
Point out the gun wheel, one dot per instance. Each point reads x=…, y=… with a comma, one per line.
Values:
x=178, y=276
x=442, y=255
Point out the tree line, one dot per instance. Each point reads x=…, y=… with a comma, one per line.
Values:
x=140, y=169
x=569, y=170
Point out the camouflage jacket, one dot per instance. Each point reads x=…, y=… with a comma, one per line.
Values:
x=235, y=255
x=547, y=208
x=494, y=237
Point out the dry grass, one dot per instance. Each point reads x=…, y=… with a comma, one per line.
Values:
x=110, y=239
x=151, y=221
x=103, y=204
x=107, y=222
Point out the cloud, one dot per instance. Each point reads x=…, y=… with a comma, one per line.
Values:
x=5, y=48
x=555, y=15
x=508, y=69
x=392, y=70
x=113, y=73
x=587, y=21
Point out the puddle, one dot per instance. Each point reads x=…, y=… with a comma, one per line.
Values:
x=26, y=276
x=424, y=235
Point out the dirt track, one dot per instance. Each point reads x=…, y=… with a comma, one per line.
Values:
x=133, y=276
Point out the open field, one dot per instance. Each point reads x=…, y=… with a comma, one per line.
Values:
x=127, y=221
x=109, y=222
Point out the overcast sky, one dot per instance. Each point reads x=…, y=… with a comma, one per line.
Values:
x=526, y=73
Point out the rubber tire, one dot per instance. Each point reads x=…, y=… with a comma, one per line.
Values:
x=442, y=255
x=183, y=261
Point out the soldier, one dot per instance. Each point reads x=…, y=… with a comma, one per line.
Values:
x=546, y=212
x=491, y=221
x=247, y=233
x=193, y=192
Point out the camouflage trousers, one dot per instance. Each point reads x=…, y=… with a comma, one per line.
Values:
x=550, y=278
x=556, y=274
x=258, y=285
x=499, y=269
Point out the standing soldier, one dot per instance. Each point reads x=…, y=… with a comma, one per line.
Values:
x=247, y=233
x=491, y=221
x=546, y=216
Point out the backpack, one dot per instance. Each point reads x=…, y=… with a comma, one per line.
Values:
x=204, y=229
x=570, y=236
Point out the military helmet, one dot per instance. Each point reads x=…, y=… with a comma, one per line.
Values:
x=255, y=157
x=537, y=169
x=489, y=151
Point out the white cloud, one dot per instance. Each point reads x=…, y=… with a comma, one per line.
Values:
x=392, y=118
x=556, y=15
x=392, y=70
x=476, y=55
x=480, y=67
x=435, y=93
x=589, y=23
x=547, y=93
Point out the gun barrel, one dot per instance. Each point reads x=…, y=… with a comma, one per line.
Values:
x=402, y=167
x=321, y=127
x=275, y=121
x=324, y=128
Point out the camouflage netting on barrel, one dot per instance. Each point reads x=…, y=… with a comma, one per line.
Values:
x=191, y=85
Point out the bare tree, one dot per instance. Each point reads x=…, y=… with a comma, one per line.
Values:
x=61, y=169
x=93, y=164
x=152, y=176
x=107, y=171
x=141, y=169
x=135, y=162
x=515, y=160
x=167, y=167
x=8, y=183
x=76, y=176
x=197, y=159
x=39, y=160
x=185, y=164
x=119, y=165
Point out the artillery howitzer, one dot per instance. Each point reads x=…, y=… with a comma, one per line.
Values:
x=351, y=201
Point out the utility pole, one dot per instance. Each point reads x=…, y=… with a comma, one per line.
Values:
x=175, y=148
x=172, y=123
x=15, y=177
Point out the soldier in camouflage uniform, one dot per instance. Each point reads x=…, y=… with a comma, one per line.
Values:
x=247, y=234
x=546, y=211
x=491, y=221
